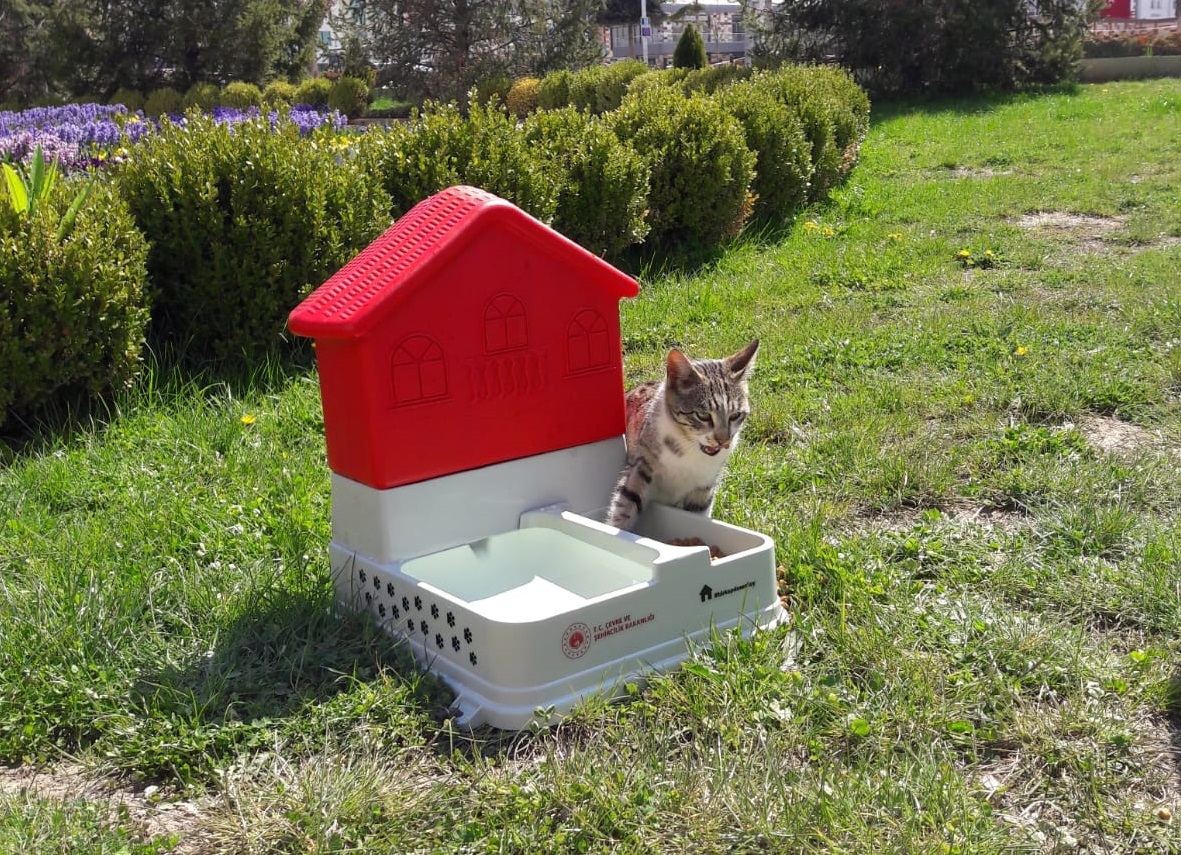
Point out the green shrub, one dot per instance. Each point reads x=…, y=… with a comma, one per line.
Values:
x=494, y=87
x=439, y=147
x=240, y=95
x=72, y=310
x=349, y=95
x=522, y=98
x=201, y=96
x=783, y=164
x=554, y=90
x=603, y=184
x=847, y=101
x=701, y=168
x=662, y=79
x=244, y=222
x=834, y=113
x=129, y=98
x=690, y=50
x=314, y=92
x=279, y=93
x=714, y=79
x=165, y=101
x=601, y=88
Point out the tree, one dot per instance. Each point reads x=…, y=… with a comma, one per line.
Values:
x=931, y=46
x=93, y=47
x=439, y=50
x=22, y=33
x=690, y=50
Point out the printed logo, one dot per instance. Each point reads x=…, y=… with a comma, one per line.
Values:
x=576, y=640
x=707, y=593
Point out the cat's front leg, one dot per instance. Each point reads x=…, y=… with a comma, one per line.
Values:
x=699, y=501
x=631, y=490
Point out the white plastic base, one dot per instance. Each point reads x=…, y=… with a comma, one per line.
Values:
x=524, y=620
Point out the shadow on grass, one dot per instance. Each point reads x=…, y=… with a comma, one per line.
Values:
x=289, y=671
x=165, y=379
x=961, y=105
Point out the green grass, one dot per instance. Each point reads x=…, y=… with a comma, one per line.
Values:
x=969, y=465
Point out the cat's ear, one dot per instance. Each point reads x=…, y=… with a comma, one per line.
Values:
x=681, y=373
x=740, y=364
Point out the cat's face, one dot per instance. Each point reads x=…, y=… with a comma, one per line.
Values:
x=708, y=398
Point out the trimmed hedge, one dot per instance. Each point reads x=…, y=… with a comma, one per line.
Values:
x=240, y=96
x=72, y=311
x=165, y=101
x=314, y=92
x=522, y=98
x=129, y=98
x=244, y=221
x=603, y=184
x=701, y=168
x=278, y=93
x=202, y=96
x=349, y=95
x=783, y=165
x=834, y=127
x=599, y=89
x=440, y=147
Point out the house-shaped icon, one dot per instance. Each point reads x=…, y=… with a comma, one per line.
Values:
x=468, y=334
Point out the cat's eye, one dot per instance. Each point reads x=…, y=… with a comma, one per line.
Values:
x=737, y=417
x=704, y=417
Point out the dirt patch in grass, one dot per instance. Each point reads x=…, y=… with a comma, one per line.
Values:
x=1086, y=230
x=980, y=173
x=1114, y=436
x=151, y=815
x=957, y=515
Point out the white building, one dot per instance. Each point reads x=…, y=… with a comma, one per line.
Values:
x=721, y=25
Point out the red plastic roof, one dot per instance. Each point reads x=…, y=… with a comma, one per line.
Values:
x=405, y=254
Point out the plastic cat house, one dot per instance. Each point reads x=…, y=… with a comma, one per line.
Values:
x=472, y=384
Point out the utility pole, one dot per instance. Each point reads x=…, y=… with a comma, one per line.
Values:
x=645, y=28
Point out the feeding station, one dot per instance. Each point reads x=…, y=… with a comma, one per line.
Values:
x=471, y=377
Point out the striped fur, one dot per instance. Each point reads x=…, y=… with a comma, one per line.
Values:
x=680, y=433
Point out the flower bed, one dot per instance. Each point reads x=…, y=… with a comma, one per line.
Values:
x=1106, y=45
x=84, y=135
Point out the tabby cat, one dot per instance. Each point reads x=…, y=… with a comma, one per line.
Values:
x=680, y=433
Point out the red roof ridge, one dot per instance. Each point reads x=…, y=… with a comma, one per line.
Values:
x=339, y=307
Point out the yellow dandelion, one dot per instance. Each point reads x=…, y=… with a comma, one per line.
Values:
x=1021, y=350
x=811, y=226
x=249, y=419
x=895, y=235
x=988, y=253
x=964, y=253
x=829, y=231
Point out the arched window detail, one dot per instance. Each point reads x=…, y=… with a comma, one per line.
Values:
x=417, y=371
x=504, y=325
x=588, y=342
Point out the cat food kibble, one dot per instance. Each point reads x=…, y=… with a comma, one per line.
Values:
x=714, y=552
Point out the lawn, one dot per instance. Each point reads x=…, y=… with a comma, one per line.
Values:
x=965, y=442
